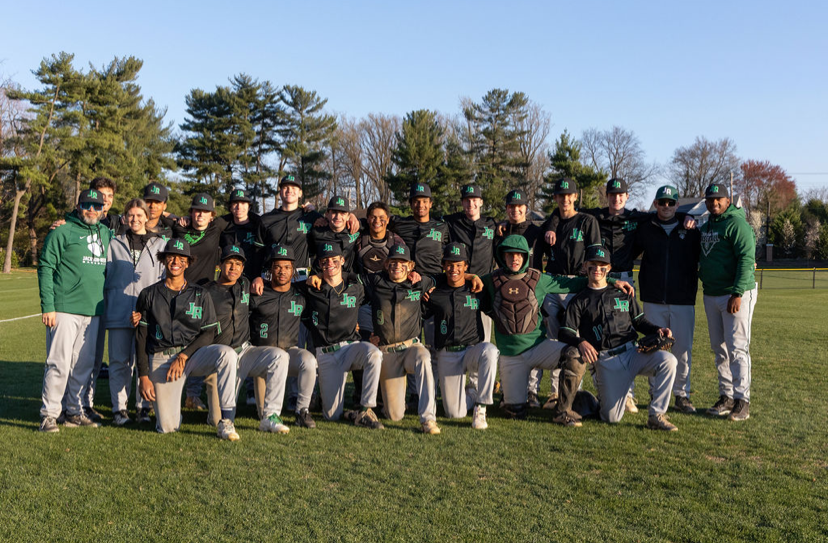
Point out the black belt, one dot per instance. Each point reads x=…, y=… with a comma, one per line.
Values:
x=336, y=347
x=622, y=349
x=456, y=348
x=171, y=351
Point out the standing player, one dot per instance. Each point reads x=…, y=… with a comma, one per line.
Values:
x=726, y=272
x=459, y=341
x=274, y=321
x=177, y=324
x=516, y=223
x=242, y=229
x=603, y=323
x=336, y=232
x=155, y=195
x=331, y=318
x=71, y=282
x=669, y=281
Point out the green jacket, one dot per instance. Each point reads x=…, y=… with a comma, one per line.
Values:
x=71, y=270
x=728, y=254
x=514, y=345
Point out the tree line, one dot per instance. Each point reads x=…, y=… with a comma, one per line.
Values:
x=249, y=132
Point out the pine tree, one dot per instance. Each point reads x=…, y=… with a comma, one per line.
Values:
x=565, y=161
x=455, y=172
x=418, y=155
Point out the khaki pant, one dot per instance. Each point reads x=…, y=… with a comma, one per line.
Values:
x=480, y=359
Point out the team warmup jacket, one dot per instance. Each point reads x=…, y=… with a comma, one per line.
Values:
x=396, y=308
x=244, y=236
x=204, y=246
x=669, y=264
x=370, y=253
x=164, y=228
x=288, y=228
x=275, y=317
x=456, y=312
x=572, y=237
x=345, y=240
x=606, y=318
x=232, y=305
x=618, y=234
x=331, y=312
x=728, y=254
x=172, y=319
x=425, y=240
x=478, y=236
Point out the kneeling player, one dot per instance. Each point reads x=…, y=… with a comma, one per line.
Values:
x=177, y=324
x=608, y=322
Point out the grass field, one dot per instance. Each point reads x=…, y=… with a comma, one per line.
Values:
x=765, y=479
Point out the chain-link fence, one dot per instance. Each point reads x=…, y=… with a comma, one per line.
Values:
x=805, y=278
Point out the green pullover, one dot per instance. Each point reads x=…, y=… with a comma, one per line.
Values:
x=728, y=254
x=71, y=269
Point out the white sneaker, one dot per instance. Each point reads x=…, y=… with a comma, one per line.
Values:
x=273, y=424
x=226, y=430
x=629, y=405
x=479, y=418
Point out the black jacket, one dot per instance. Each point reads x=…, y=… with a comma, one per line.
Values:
x=425, y=240
x=232, y=305
x=669, y=265
x=572, y=237
x=456, y=312
x=478, y=236
x=331, y=312
x=275, y=317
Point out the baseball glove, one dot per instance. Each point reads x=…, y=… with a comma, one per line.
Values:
x=653, y=343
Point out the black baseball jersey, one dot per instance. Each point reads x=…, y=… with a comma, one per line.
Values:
x=287, y=228
x=345, y=240
x=456, y=312
x=232, y=305
x=275, y=316
x=618, y=234
x=669, y=263
x=113, y=222
x=370, y=254
x=425, y=240
x=244, y=236
x=164, y=228
x=607, y=318
x=204, y=246
x=572, y=237
x=396, y=308
x=533, y=234
x=478, y=236
x=171, y=318
x=331, y=312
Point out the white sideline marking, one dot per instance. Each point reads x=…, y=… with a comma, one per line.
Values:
x=21, y=318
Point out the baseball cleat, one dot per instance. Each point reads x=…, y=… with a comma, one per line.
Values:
x=479, y=418
x=273, y=424
x=75, y=421
x=659, y=422
x=430, y=427
x=565, y=419
x=227, y=430
x=144, y=415
x=551, y=402
x=194, y=402
x=92, y=415
x=684, y=405
x=515, y=411
x=722, y=407
x=119, y=418
x=367, y=419
x=48, y=425
x=304, y=419
x=532, y=400
x=741, y=410
x=629, y=405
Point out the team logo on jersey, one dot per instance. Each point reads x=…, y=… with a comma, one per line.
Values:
x=708, y=241
x=471, y=302
x=348, y=301
x=622, y=305
x=435, y=235
x=263, y=330
x=304, y=227
x=250, y=238
x=413, y=295
x=629, y=226
x=443, y=327
x=353, y=237
x=194, y=311
x=488, y=232
x=295, y=309
x=577, y=234
x=245, y=298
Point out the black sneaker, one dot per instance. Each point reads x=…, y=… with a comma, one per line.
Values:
x=74, y=421
x=92, y=415
x=48, y=425
x=532, y=399
x=367, y=419
x=684, y=405
x=61, y=418
x=144, y=415
x=104, y=373
x=304, y=419
x=119, y=418
x=741, y=410
x=722, y=407
x=515, y=411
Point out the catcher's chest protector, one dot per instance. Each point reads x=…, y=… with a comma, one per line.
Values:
x=515, y=303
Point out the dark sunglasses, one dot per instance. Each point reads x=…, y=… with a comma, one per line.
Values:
x=87, y=206
x=667, y=203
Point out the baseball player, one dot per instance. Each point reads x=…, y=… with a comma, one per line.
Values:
x=669, y=281
x=603, y=323
x=516, y=223
x=274, y=321
x=131, y=265
x=242, y=229
x=231, y=298
x=331, y=318
x=156, y=195
x=459, y=340
x=71, y=282
x=726, y=270
x=176, y=326
x=335, y=232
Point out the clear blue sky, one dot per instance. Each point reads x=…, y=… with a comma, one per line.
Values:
x=756, y=72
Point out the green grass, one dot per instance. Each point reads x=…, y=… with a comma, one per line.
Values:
x=765, y=479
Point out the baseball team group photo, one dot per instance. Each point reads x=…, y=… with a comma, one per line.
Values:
x=272, y=320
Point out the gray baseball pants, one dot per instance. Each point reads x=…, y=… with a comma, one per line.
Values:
x=730, y=341
x=452, y=369
x=333, y=372
x=515, y=370
x=613, y=375
x=219, y=359
x=416, y=361
x=271, y=363
x=70, y=357
x=122, y=369
x=88, y=392
x=681, y=320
